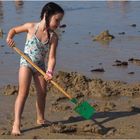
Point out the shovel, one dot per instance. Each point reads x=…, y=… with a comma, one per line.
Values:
x=84, y=109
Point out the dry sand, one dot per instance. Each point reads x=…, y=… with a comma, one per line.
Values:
x=117, y=104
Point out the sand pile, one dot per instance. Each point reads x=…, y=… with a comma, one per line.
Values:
x=80, y=86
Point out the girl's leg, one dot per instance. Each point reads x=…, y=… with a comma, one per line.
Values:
x=25, y=76
x=40, y=84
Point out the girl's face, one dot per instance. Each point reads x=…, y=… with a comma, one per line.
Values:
x=55, y=21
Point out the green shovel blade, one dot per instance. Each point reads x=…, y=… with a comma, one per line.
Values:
x=85, y=110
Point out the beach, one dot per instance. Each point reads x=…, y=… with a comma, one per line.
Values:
x=103, y=73
x=116, y=104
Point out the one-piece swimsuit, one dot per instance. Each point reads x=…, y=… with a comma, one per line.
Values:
x=36, y=51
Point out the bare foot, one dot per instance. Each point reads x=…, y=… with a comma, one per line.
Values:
x=16, y=131
x=44, y=122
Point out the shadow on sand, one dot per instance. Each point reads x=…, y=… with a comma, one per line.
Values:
x=108, y=115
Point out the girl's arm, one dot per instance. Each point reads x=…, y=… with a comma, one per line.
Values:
x=15, y=30
x=52, y=55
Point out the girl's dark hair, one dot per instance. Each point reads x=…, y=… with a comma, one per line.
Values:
x=50, y=9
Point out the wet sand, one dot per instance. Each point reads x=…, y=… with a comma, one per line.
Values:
x=117, y=103
x=117, y=110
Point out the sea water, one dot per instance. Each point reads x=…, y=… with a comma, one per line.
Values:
x=77, y=52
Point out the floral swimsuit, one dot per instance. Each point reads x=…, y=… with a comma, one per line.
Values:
x=36, y=51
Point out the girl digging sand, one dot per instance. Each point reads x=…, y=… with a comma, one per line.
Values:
x=41, y=41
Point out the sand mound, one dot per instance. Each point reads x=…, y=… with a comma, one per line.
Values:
x=79, y=86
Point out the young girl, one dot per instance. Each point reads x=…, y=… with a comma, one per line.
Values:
x=41, y=40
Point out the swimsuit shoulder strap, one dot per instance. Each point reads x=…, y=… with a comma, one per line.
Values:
x=36, y=28
x=51, y=35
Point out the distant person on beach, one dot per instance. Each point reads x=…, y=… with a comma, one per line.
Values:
x=41, y=41
x=123, y=5
x=19, y=4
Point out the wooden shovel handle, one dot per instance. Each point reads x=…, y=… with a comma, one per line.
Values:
x=41, y=71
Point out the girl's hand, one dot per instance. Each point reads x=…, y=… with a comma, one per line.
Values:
x=49, y=75
x=10, y=42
